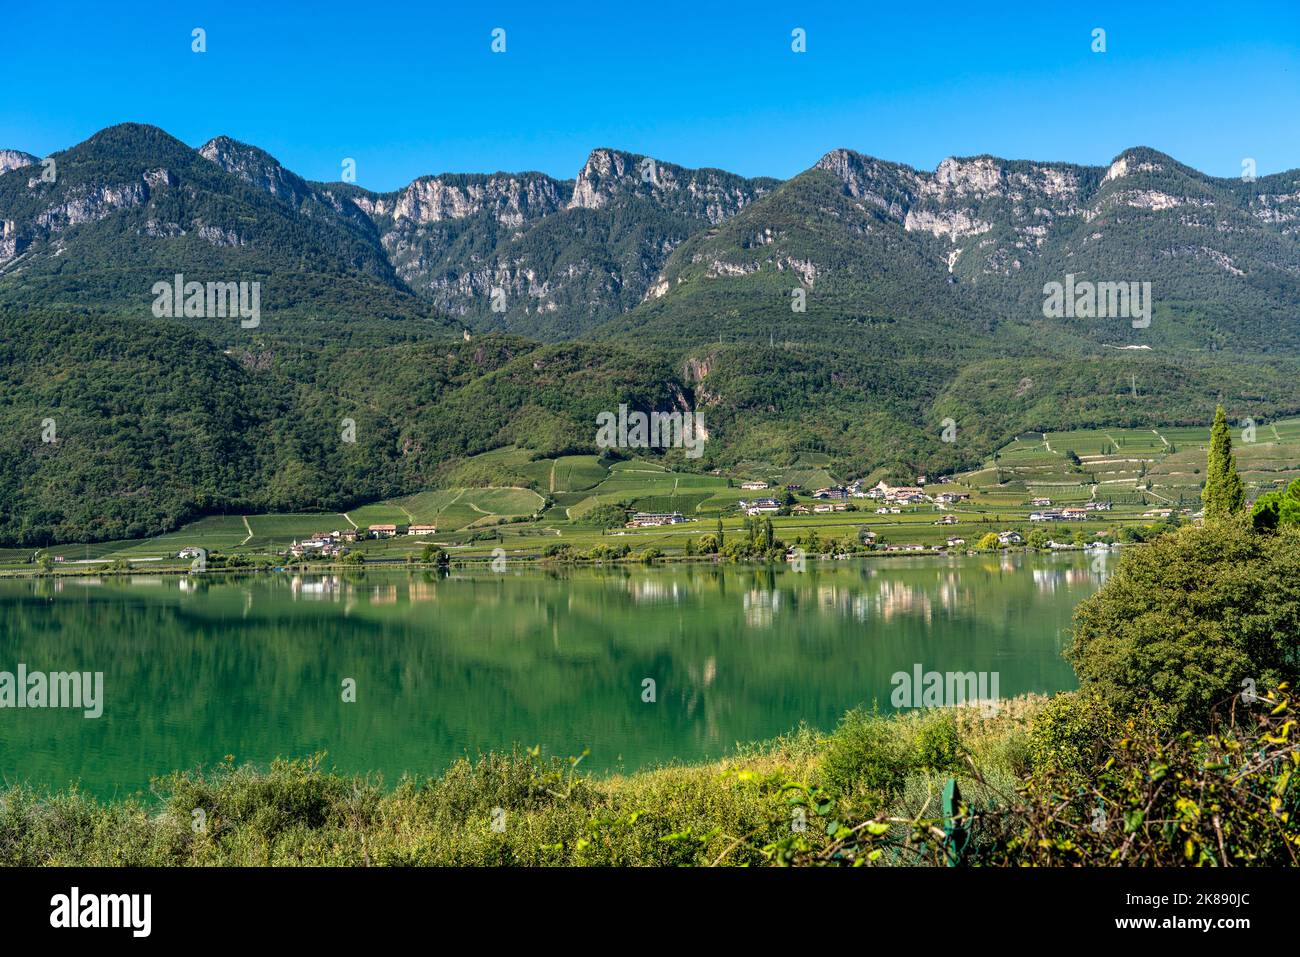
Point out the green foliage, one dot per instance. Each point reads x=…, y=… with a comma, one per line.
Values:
x=606, y=516
x=938, y=747
x=1188, y=617
x=865, y=756
x=605, y=553
x=1274, y=510
x=1071, y=733
x=1228, y=797
x=1224, y=494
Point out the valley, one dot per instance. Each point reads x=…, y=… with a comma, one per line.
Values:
x=1144, y=477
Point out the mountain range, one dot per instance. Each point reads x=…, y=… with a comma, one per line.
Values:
x=845, y=312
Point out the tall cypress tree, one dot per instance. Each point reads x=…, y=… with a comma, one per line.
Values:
x=1224, y=493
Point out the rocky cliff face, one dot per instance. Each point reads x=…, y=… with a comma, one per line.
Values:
x=74, y=206
x=15, y=159
x=263, y=171
x=713, y=195
x=976, y=240
x=132, y=205
x=873, y=241
x=255, y=167
x=964, y=199
x=507, y=200
x=516, y=251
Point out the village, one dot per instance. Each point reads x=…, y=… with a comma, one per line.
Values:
x=892, y=500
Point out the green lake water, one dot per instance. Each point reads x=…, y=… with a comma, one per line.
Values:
x=254, y=666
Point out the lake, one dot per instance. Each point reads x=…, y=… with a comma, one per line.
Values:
x=255, y=667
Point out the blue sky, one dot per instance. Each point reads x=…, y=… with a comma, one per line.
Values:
x=410, y=89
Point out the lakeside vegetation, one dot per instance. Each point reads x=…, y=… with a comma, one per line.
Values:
x=1044, y=783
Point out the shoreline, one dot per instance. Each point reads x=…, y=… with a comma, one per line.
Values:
x=92, y=568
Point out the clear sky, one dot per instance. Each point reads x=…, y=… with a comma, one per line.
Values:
x=409, y=89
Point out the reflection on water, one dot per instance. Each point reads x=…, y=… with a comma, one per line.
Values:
x=203, y=666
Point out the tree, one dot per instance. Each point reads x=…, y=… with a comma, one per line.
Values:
x=1277, y=509
x=989, y=542
x=607, y=516
x=1189, y=617
x=432, y=554
x=1223, y=494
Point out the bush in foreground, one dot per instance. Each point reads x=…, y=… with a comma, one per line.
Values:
x=868, y=794
x=1189, y=618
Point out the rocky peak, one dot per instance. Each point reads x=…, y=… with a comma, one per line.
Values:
x=890, y=186
x=254, y=166
x=15, y=159
x=602, y=176
x=1125, y=165
x=511, y=199
x=710, y=194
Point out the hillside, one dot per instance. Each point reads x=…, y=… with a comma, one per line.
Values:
x=846, y=314
x=132, y=206
x=966, y=251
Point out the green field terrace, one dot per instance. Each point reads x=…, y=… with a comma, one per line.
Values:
x=513, y=501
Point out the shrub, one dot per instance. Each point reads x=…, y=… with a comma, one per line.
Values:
x=1190, y=616
x=1070, y=733
x=866, y=754
x=937, y=748
x=1229, y=797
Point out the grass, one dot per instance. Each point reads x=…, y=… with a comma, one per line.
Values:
x=513, y=809
x=380, y=513
x=1123, y=461
x=285, y=527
